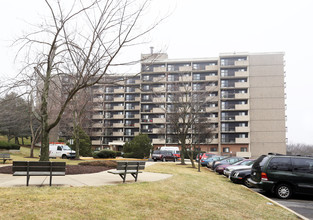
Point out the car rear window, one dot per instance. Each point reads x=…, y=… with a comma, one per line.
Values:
x=260, y=162
x=157, y=152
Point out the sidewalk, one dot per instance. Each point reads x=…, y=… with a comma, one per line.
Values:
x=93, y=179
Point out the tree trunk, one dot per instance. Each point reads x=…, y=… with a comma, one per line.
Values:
x=16, y=140
x=182, y=156
x=23, y=141
x=44, y=153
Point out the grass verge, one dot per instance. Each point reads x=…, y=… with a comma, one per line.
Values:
x=187, y=195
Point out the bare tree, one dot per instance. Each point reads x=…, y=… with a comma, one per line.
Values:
x=187, y=117
x=299, y=149
x=78, y=44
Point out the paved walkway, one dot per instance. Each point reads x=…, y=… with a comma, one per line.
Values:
x=93, y=179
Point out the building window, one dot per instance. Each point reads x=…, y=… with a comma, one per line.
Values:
x=213, y=149
x=243, y=149
x=226, y=149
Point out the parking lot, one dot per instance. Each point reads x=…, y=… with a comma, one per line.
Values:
x=302, y=204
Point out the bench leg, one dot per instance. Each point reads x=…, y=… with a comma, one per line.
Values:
x=50, y=180
x=27, y=180
x=135, y=175
x=123, y=176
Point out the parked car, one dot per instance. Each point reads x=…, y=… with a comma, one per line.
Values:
x=244, y=164
x=204, y=162
x=198, y=157
x=228, y=160
x=163, y=156
x=241, y=176
x=210, y=163
x=283, y=175
x=220, y=168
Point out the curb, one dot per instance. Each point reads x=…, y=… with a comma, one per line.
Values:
x=278, y=204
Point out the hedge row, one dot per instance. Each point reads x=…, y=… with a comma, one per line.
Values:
x=8, y=146
x=107, y=154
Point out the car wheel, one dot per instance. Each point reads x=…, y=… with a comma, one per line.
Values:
x=246, y=182
x=164, y=159
x=64, y=156
x=174, y=159
x=283, y=191
x=155, y=160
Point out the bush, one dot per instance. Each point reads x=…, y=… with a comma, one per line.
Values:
x=8, y=146
x=128, y=155
x=105, y=154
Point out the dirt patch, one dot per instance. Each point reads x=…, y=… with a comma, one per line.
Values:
x=70, y=169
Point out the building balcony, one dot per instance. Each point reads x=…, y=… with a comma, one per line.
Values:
x=211, y=109
x=212, y=120
x=212, y=98
x=159, y=79
x=96, y=142
x=118, y=90
x=185, y=68
x=146, y=120
x=159, y=69
x=118, y=134
x=158, y=110
x=97, y=125
x=118, y=116
x=211, y=78
x=97, y=108
x=160, y=99
x=158, y=120
x=158, y=141
x=214, y=141
x=97, y=117
x=241, y=85
x=118, y=125
x=242, y=129
x=137, y=99
x=241, y=95
x=211, y=67
x=242, y=107
x=241, y=118
x=158, y=130
x=97, y=134
x=242, y=140
x=118, y=108
x=119, y=99
x=159, y=89
x=241, y=63
x=136, y=125
x=241, y=73
x=211, y=88
x=98, y=91
x=185, y=79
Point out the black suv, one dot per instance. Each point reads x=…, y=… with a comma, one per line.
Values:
x=163, y=156
x=283, y=175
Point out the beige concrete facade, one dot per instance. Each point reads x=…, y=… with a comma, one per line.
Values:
x=246, y=102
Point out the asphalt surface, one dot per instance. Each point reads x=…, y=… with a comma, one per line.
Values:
x=302, y=204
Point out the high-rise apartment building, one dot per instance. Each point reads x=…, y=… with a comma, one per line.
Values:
x=246, y=102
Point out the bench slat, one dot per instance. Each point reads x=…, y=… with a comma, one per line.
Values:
x=22, y=173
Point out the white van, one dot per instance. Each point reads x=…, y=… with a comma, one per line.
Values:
x=60, y=149
x=174, y=150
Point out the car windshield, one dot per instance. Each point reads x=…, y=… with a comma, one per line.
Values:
x=65, y=147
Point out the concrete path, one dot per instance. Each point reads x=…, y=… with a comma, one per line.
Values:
x=93, y=179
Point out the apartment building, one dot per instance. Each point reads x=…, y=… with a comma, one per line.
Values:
x=246, y=102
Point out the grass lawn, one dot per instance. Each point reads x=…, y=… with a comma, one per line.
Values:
x=187, y=195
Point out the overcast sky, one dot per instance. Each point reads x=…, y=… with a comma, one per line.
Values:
x=205, y=28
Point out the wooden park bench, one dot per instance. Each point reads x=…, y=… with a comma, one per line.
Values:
x=38, y=168
x=5, y=157
x=128, y=167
